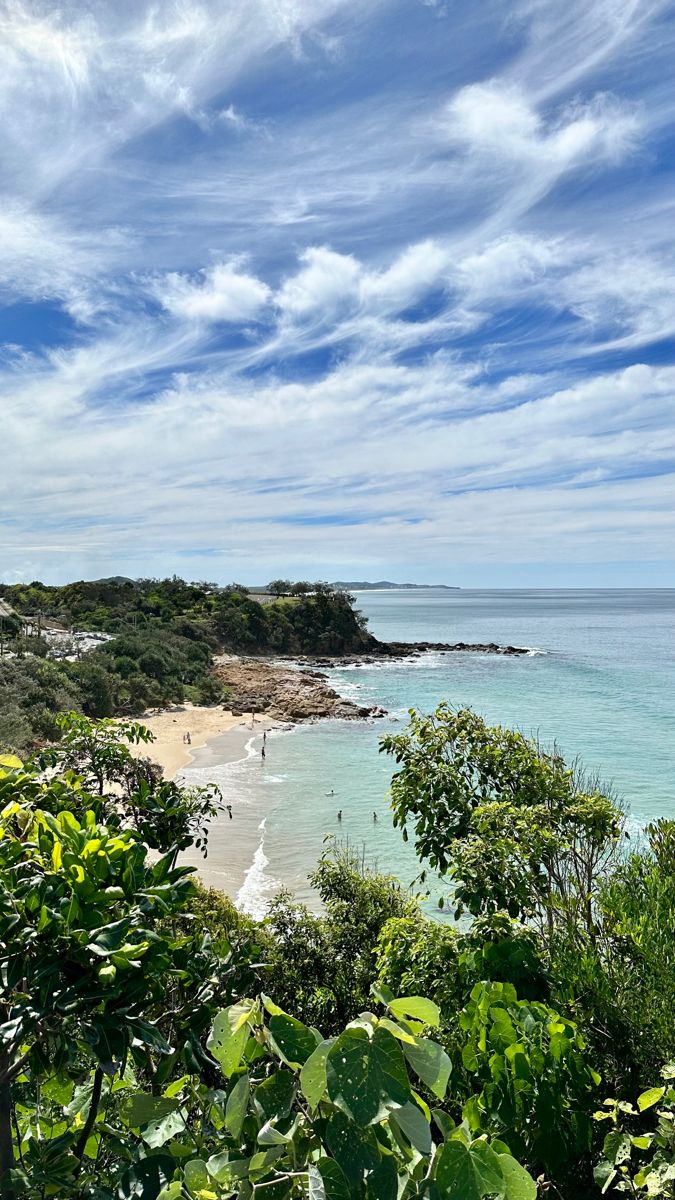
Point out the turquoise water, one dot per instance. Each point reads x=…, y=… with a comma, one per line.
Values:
x=600, y=682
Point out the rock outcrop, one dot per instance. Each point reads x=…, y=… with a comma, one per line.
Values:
x=282, y=692
x=300, y=692
x=393, y=650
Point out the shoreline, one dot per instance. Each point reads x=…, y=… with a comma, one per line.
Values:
x=202, y=722
x=236, y=860
x=220, y=741
x=283, y=697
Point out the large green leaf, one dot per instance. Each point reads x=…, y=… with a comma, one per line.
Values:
x=274, y=1096
x=367, y=1076
x=225, y=1170
x=468, y=1172
x=140, y=1108
x=271, y=1136
x=294, y=1041
x=144, y=1180
x=650, y=1097
x=617, y=1147
x=431, y=1063
x=172, y=1191
x=519, y=1184
x=313, y=1074
x=145, y=1033
x=237, y=1103
x=315, y=1184
x=417, y=1007
x=228, y=1037
x=354, y=1151
x=11, y=761
x=197, y=1179
x=158, y=1133
x=411, y=1121
x=382, y=1184
x=334, y=1180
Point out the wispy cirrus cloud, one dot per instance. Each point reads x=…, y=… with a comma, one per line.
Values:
x=263, y=278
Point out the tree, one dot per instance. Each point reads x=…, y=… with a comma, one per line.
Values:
x=512, y=827
x=95, y=684
x=239, y=589
x=301, y=588
x=129, y=790
x=106, y=983
x=323, y=966
x=279, y=587
x=301, y=1115
x=81, y=961
x=111, y=1084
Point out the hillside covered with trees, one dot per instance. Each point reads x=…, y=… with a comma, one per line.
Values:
x=163, y=635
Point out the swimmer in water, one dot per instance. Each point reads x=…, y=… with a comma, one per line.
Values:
x=340, y=815
x=374, y=816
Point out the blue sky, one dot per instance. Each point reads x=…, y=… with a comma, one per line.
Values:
x=338, y=290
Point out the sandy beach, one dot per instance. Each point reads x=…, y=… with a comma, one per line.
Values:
x=171, y=725
x=234, y=843
x=218, y=741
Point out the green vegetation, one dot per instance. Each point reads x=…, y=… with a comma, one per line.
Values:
x=132, y=1063
x=155, y=1043
x=163, y=637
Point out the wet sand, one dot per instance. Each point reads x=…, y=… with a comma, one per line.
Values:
x=235, y=845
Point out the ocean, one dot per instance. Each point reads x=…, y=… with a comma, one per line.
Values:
x=599, y=681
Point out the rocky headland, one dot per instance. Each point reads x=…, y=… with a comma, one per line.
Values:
x=298, y=691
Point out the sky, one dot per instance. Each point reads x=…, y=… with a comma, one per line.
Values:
x=328, y=289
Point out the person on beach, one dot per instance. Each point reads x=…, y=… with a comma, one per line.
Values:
x=188, y=738
x=262, y=752
x=374, y=815
x=229, y=810
x=264, y=736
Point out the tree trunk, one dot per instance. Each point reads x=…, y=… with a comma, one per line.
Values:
x=91, y=1116
x=6, y=1140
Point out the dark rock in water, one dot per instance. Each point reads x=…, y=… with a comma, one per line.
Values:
x=414, y=649
x=379, y=650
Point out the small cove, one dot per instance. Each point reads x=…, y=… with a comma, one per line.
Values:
x=602, y=685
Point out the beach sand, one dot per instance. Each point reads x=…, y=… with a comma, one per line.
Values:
x=218, y=740
x=235, y=846
x=201, y=722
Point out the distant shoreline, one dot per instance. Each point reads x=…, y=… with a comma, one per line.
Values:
x=384, y=585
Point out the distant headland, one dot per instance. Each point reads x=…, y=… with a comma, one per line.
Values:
x=386, y=585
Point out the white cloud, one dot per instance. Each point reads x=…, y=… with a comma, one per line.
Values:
x=509, y=265
x=41, y=257
x=225, y=294
x=428, y=291
x=325, y=282
x=499, y=120
x=419, y=269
